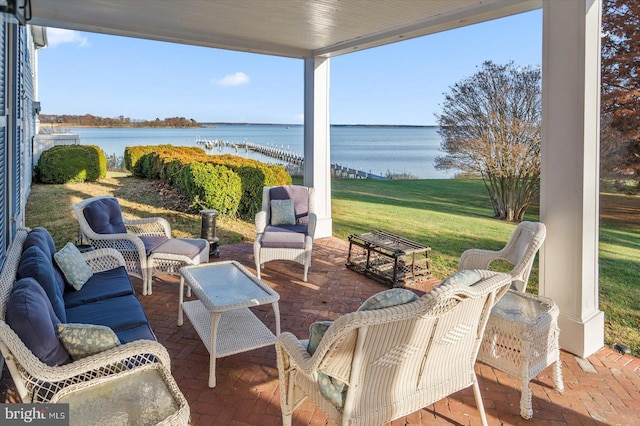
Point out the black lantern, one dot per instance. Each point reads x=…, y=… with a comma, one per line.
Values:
x=208, y=231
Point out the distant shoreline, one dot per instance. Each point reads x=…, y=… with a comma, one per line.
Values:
x=215, y=124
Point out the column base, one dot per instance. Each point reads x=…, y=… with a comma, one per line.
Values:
x=582, y=338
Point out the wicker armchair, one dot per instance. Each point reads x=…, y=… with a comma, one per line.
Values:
x=145, y=244
x=290, y=241
x=395, y=360
x=520, y=251
x=37, y=382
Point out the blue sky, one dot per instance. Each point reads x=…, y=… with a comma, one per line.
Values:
x=401, y=83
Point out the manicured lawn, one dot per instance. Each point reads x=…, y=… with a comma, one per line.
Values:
x=448, y=215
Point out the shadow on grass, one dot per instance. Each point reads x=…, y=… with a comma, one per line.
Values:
x=48, y=206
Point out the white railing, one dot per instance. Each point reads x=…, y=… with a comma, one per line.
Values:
x=42, y=143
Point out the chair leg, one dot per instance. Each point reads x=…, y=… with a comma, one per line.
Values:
x=306, y=270
x=479, y=404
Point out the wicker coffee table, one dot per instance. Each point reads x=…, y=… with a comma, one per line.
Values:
x=221, y=315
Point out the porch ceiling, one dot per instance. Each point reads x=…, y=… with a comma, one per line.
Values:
x=292, y=28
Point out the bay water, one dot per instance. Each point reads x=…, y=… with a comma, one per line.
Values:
x=379, y=150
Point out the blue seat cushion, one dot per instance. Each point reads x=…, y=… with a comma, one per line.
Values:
x=190, y=247
x=117, y=313
x=41, y=238
x=282, y=240
x=31, y=317
x=152, y=242
x=142, y=331
x=102, y=285
x=34, y=263
x=105, y=216
x=300, y=197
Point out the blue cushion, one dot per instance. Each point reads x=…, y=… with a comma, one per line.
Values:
x=282, y=239
x=30, y=315
x=467, y=277
x=102, y=285
x=117, y=313
x=105, y=216
x=190, y=247
x=152, y=242
x=73, y=266
x=300, y=229
x=41, y=238
x=142, y=331
x=36, y=264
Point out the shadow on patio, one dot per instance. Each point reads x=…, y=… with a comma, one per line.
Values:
x=605, y=389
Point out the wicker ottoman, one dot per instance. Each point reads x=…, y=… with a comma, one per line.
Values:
x=521, y=339
x=145, y=395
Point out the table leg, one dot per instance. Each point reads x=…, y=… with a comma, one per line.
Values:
x=276, y=312
x=557, y=375
x=180, y=300
x=526, y=409
x=215, y=319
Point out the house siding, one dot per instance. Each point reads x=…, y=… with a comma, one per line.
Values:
x=17, y=127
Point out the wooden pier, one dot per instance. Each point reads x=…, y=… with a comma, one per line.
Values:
x=296, y=161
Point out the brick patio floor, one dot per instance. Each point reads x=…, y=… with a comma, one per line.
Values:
x=604, y=389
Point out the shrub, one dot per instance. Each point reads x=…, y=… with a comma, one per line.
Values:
x=212, y=187
x=168, y=163
x=71, y=164
x=254, y=175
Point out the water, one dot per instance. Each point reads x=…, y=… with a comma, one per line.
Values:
x=372, y=149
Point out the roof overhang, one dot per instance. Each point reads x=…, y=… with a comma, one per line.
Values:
x=290, y=28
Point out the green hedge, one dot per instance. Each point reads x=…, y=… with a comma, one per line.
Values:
x=71, y=164
x=212, y=187
x=168, y=163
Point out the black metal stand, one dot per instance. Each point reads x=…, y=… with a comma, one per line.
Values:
x=208, y=231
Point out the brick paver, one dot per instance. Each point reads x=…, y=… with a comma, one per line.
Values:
x=604, y=390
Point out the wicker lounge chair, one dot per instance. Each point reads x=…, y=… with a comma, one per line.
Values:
x=283, y=236
x=522, y=334
x=145, y=244
x=520, y=251
x=393, y=361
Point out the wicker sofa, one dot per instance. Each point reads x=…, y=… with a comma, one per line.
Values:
x=35, y=299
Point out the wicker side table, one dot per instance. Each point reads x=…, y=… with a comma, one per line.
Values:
x=521, y=339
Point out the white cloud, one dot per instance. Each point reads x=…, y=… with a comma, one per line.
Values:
x=300, y=118
x=235, y=79
x=57, y=36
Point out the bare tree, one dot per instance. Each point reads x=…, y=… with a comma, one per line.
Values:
x=490, y=128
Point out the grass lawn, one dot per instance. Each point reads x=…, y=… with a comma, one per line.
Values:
x=448, y=215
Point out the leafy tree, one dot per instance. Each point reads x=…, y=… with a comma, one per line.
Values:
x=490, y=127
x=620, y=124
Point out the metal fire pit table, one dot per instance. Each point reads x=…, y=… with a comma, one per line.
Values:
x=387, y=258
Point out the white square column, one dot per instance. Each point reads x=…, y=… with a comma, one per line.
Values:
x=317, y=159
x=569, y=193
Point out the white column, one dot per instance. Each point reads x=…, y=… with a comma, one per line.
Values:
x=569, y=178
x=317, y=160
